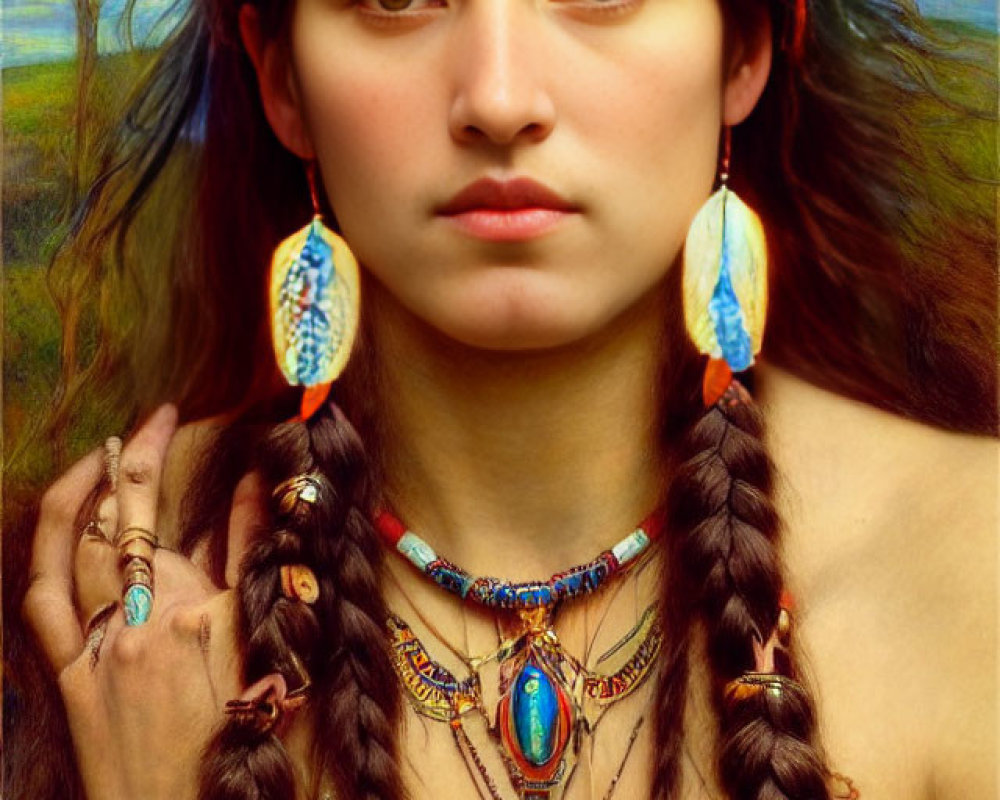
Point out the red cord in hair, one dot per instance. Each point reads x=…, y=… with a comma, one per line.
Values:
x=797, y=43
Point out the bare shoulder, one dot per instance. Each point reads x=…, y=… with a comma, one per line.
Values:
x=935, y=483
x=892, y=546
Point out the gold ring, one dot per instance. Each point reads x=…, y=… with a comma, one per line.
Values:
x=138, y=579
x=138, y=570
x=135, y=533
x=136, y=542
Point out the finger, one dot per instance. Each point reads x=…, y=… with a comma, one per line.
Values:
x=95, y=570
x=99, y=580
x=180, y=584
x=88, y=509
x=201, y=555
x=178, y=579
x=141, y=469
x=129, y=658
x=107, y=515
x=87, y=715
x=139, y=476
x=163, y=682
x=95, y=566
x=210, y=626
x=247, y=513
x=48, y=604
x=221, y=647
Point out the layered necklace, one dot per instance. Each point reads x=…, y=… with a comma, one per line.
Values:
x=548, y=700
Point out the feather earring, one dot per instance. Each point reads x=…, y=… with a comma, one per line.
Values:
x=314, y=301
x=725, y=284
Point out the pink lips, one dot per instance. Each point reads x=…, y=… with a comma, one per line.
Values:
x=506, y=211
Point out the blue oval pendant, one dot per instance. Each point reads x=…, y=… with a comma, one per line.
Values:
x=535, y=712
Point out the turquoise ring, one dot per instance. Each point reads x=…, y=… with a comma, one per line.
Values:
x=137, y=593
x=138, y=603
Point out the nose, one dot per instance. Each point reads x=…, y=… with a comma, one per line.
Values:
x=500, y=95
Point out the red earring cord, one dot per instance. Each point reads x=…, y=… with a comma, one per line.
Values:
x=313, y=194
x=727, y=153
x=797, y=45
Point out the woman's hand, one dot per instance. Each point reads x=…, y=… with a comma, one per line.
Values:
x=142, y=700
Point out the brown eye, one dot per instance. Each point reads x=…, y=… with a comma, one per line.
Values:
x=395, y=5
x=385, y=12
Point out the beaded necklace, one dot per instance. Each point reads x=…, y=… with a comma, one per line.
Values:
x=548, y=700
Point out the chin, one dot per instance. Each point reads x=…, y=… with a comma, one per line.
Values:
x=511, y=312
x=497, y=329
x=512, y=340
x=517, y=315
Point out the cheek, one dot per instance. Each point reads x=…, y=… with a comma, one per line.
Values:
x=370, y=125
x=660, y=101
x=660, y=113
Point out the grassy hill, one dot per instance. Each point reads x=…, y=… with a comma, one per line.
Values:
x=38, y=103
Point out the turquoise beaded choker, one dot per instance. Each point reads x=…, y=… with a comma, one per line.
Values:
x=498, y=594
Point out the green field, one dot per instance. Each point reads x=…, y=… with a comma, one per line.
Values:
x=38, y=104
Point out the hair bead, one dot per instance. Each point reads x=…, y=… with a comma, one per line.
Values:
x=297, y=489
x=751, y=684
x=299, y=583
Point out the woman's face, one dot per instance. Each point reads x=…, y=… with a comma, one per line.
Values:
x=614, y=106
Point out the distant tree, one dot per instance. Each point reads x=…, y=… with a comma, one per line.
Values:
x=88, y=13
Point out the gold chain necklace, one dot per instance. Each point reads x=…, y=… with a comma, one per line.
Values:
x=527, y=655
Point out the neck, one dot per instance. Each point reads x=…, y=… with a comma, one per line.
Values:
x=519, y=464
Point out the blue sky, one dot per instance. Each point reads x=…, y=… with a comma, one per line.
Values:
x=43, y=30
x=981, y=12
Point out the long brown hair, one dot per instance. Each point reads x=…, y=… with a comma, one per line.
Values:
x=883, y=289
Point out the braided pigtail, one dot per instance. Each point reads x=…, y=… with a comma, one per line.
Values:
x=726, y=531
x=311, y=627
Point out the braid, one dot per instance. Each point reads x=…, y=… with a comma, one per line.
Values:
x=332, y=643
x=360, y=705
x=725, y=530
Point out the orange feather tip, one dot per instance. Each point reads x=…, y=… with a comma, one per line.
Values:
x=718, y=376
x=313, y=398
